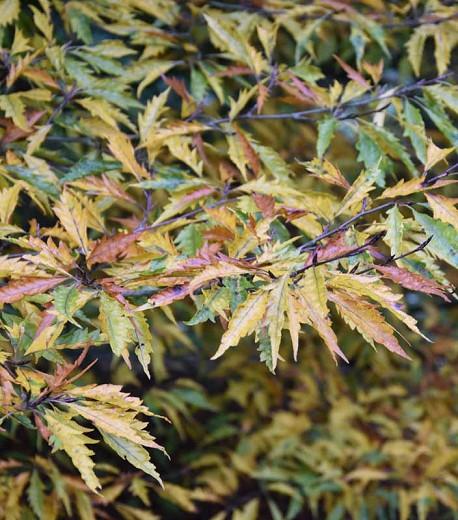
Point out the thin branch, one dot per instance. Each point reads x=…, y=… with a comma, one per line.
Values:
x=303, y=115
x=353, y=252
x=392, y=259
x=345, y=225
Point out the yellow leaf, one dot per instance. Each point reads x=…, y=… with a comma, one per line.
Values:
x=9, y=11
x=121, y=147
x=368, y=321
x=244, y=321
x=68, y=435
x=275, y=315
x=434, y=154
x=8, y=201
x=73, y=218
x=444, y=208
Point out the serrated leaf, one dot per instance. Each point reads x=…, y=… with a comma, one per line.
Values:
x=115, y=323
x=444, y=243
x=326, y=129
x=368, y=321
x=443, y=208
x=9, y=11
x=394, y=230
x=275, y=315
x=133, y=453
x=244, y=321
x=86, y=167
x=68, y=435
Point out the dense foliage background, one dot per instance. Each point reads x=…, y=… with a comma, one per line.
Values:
x=270, y=178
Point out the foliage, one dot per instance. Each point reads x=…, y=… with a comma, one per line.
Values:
x=283, y=170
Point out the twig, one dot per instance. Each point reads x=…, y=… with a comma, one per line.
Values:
x=345, y=225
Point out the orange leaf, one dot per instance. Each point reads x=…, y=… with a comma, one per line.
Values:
x=250, y=153
x=27, y=286
x=112, y=248
x=351, y=72
x=412, y=281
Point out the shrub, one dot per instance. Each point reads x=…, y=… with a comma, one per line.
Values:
x=180, y=179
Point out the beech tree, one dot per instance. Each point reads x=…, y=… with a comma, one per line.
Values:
x=222, y=206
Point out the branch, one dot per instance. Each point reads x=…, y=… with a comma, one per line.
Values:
x=353, y=252
x=345, y=225
x=303, y=115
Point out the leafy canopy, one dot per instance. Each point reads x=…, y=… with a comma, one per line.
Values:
x=264, y=166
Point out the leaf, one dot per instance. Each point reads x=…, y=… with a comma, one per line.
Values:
x=115, y=421
x=133, y=453
x=275, y=315
x=444, y=243
x=351, y=72
x=144, y=339
x=434, y=154
x=115, y=323
x=412, y=281
x=35, y=494
x=363, y=185
x=9, y=11
x=443, y=208
x=390, y=145
x=121, y=147
x=244, y=321
x=111, y=249
x=368, y=321
x=416, y=45
x=8, y=201
x=414, y=129
x=394, y=230
x=14, y=107
x=67, y=301
x=326, y=129
x=15, y=290
x=68, y=435
x=403, y=188
x=74, y=218
x=313, y=297
x=86, y=167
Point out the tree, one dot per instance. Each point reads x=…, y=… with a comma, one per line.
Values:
x=181, y=173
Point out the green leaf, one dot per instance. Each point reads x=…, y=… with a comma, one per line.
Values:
x=444, y=243
x=189, y=239
x=86, y=167
x=136, y=454
x=35, y=494
x=390, y=145
x=395, y=230
x=326, y=129
x=115, y=324
x=35, y=180
x=414, y=129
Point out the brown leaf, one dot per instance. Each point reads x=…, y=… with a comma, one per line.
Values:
x=178, y=86
x=112, y=248
x=266, y=204
x=351, y=72
x=263, y=94
x=235, y=70
x=218, y=234
x=170, y=295
x=250, y=153
x=412, y=281
x=15, y=290
x=14, y=133
x=335, y=246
